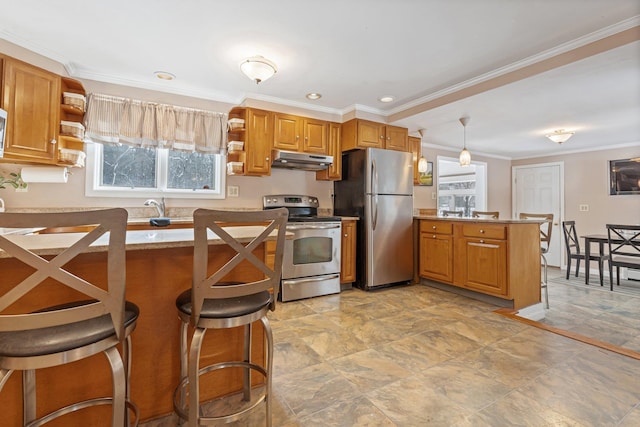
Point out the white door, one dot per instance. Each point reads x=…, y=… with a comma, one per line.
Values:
x=538, y=189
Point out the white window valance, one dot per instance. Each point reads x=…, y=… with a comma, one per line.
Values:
x=112, y=120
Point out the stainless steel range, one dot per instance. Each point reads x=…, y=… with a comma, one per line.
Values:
x=311, y=262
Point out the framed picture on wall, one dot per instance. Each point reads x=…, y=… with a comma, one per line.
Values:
x=426, y=178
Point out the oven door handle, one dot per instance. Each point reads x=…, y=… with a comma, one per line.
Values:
x=310, y=279
x=312, y=227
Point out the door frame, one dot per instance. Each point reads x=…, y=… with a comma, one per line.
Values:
x=514, y=196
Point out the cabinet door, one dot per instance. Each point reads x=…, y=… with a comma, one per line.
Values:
x=333, y=172
x=486, y=266
x=436, y=256
x=397, y=138
x=370, y=134
x=259, y=134
x=287, y=132
x=315, y=136
x=32, y=100
x=414, y=144
x=348, y=252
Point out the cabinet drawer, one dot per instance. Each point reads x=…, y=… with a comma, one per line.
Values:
x=486, y=231
x=437, y=227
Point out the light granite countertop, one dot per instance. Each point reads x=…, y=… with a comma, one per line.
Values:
x=483, y=220
x=52, y=244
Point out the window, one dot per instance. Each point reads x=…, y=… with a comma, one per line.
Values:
x=127, y=171
x=461, y=188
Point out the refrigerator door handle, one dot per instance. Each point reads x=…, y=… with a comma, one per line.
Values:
x=374, y=191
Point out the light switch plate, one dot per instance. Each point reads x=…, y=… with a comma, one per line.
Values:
x=233, y=191
x=584, y=208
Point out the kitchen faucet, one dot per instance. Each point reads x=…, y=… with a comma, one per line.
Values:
x=159, y=206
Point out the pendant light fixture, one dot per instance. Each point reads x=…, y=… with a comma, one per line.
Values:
x=258, y=68
x=465, y=156
x=423, y=166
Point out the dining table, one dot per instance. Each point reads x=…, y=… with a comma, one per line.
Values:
x=601, y=240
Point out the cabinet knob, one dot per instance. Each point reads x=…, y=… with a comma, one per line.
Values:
x=266, y=158
x=388, y=138
x=297, y=137
x=481, y=231
x=346, y=235
x=381, y=136
x=53, y=141
x=434, y=227
x=434, y=236
x=481, y=241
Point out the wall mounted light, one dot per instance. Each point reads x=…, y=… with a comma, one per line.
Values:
x=258, y=68
x=465, y=156
x=560, y=136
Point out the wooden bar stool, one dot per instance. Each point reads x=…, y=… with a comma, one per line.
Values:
x=42, y=328
x=212, y=303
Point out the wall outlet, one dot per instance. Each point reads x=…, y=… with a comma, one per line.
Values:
x=434, y=195
x=584, y=208
x=233, y=191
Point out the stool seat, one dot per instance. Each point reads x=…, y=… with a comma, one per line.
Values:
x=223, y=308
x=62, y=338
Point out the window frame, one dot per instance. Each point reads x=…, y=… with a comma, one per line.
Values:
x=94, y=189
x=480, y=174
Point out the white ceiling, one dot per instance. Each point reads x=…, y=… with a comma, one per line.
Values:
x=355, y=51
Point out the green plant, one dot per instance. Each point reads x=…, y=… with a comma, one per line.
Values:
x=14, y=180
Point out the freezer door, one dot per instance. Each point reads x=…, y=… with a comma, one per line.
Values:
x=389, y=240
x=389, y=172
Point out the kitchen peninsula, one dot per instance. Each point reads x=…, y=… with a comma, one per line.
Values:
x=159, y=267
x=490, y=259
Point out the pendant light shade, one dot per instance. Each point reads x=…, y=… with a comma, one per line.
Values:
x=423, y=167
x=258, y=68
x=465, y=156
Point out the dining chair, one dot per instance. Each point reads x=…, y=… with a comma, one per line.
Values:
x=452, y=213
x=212, y=303
x=545, y=239
x=485, y=214
x=624, y=249
x=52, y=316
x=572, y=246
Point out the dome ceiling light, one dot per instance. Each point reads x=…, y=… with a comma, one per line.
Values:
x=560, y=136
x=258, y=68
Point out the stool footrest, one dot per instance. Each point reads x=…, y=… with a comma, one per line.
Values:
x=83, y=405
x=183, y=412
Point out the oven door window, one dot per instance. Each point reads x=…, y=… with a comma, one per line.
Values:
x=312, y=250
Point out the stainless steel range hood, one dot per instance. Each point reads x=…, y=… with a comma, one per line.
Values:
x=304, y=161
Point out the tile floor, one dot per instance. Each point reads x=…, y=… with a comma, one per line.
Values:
x=418, y=356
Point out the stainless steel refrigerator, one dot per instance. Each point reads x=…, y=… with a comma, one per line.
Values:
x=377, y=187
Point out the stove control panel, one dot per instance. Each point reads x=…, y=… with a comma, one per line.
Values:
x=289, y=201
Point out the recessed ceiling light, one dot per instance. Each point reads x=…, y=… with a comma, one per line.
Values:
x=314, y=96
x=163, y=75
x=385, y=99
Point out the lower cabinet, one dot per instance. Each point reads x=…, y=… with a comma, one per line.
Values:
x=492, y=258
x=348, y=252
x=436, y=256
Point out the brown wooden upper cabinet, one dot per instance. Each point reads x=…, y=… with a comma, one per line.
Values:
x=35, y=103
x=333, y=172
x=302, y=134
x=31, y=97
x=256, y=136
x=359, y=133
x=414, y=145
